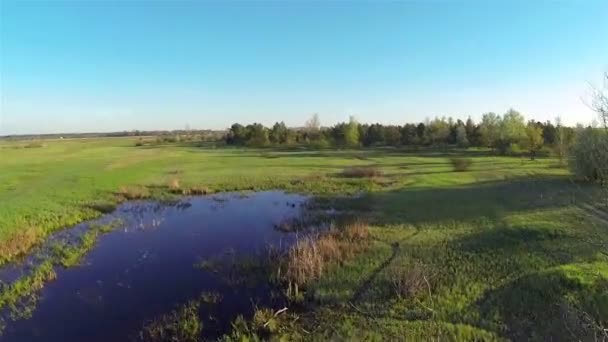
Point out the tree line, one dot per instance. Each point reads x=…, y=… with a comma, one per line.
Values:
x=505, y=133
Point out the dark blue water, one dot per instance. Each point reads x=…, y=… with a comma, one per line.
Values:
x=146, y=268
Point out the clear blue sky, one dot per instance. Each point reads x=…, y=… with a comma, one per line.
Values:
x=122, y=65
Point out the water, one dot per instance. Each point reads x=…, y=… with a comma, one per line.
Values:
x=146, y=268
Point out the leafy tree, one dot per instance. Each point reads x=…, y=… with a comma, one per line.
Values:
x=473, y=134
x=351, y=133
x=533, y=139
x=512, y=130
x=392, y=135
x=549, y=133
x=421, y=132
x=439, y=131
x=237, y=135
x=374, y=135
x=258, y=135
x=461, y=136
x=279, y=133
x=490, y=129
x=409, y=135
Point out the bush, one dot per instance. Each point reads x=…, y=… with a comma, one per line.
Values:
x=34, y=144
x=589, y=155
x=408, y=281
x=133, y=192
x=362, y=172
x=461, y=164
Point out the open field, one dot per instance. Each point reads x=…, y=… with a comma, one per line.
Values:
x=508, y=249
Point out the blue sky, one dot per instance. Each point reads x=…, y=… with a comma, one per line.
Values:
x=122, y=65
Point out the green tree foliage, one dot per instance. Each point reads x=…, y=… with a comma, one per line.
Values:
x=258, y=135
x=512, y=130
x=237, y=135
x=438, y=131
x=409, y=135
x=279, y=134
x=533, y=140
x=351, y=133
x=490, y=129
x=494, y=131
x=392, y=136
x=461, y=137
x=590, y=155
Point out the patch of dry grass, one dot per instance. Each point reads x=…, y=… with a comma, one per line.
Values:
x=312, y=255
x=362, y=172
x=19, y=242
x=133, y=192
x=174, y=185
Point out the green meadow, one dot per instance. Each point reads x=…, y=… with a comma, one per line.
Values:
x=508, y=249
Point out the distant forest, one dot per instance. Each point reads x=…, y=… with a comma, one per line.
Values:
x=505, y=133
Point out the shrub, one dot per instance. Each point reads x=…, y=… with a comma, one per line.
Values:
x=362, y=172
x=34, y=144
x=174, y=185
x=133, y=192
x=461, y=164
x=197, y=190
x=408, y=280
x=589, y=155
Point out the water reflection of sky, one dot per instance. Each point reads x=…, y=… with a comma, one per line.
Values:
x=145, y=268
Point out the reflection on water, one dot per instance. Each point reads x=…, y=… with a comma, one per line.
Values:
x=147, y=267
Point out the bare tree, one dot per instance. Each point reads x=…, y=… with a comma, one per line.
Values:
x=314, y=123
x=599, y=101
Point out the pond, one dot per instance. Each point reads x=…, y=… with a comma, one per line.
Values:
x=149, y=265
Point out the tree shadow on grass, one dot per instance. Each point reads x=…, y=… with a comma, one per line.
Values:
x=554, y=305
x=491, y=200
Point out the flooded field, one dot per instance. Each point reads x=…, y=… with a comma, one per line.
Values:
x=160, y=256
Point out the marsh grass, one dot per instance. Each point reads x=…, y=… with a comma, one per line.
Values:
x=409, y=280
x=180, y=325
x=175, y=187
x=312, y=255
x=265, y=325
x=362, y=172
x=133, y=192
x=19, y=242
x=69, y=255
x=21, y=295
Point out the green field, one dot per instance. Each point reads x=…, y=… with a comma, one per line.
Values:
x=511, y=248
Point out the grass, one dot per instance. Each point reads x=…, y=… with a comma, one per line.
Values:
x=20, y=297
x=69, y=255
x=182, y=324
x=511, y=248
